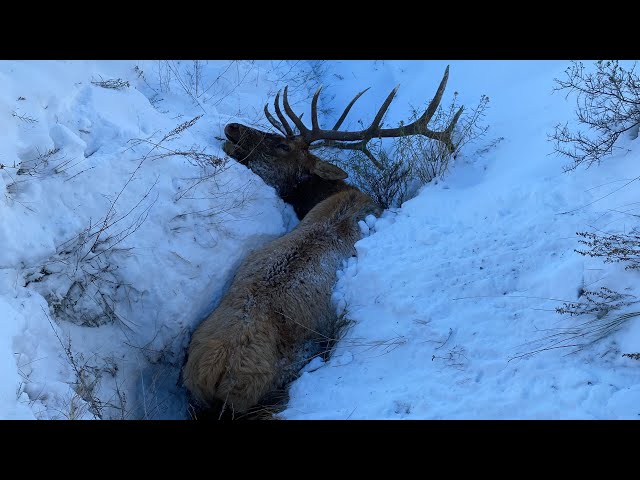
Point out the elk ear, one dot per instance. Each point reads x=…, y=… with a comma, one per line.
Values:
x=328, y=171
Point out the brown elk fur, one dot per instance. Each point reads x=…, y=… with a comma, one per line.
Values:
x=280, y=297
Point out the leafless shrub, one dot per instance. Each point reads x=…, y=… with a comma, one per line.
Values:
x=82, y=284
x=196, y=155
x=87, y=379
x=112, y=83
x=613, y=248
x=599, y=310
x=88, y=262
x=155, y=96
x=88, y=289
x=607, y=106
x=633, y=356
x=391, y=179
x=37, y=166
x=303, y=78
x=195, y=77
x=598, y=303
x=387, y=184
x=489, y=146
x=454, y=358
x=598, y=322
x=164, y=76
x=24, y=118
x=191, y=76
x=43, y=165
x=88, y=265
x=210, y=166
x=430, y=159
x=190, y=80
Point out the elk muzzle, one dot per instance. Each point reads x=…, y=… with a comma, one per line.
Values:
x=232, y=147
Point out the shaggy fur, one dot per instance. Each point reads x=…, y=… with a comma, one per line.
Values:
x=281, y=295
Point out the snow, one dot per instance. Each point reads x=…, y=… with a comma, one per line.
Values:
x=447, y=295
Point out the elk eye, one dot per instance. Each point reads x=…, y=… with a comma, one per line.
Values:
x=283, y=146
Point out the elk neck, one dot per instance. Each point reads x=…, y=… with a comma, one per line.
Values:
x=308, y=193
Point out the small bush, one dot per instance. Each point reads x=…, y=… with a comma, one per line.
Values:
x=81, y=281
x=387, y=183
x=391, y=179
x=24, y=118
x=597, y=322
x=613, y=248
x=112, y=84
x=430, y=159
x=598, y=307
x=88, y=375
x=607, y=105
x=598, y=303
x=597, y=310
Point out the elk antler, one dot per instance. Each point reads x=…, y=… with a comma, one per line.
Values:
x=283, y=127
x=332, y=138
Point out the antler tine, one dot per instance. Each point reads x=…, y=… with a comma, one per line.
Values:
x=314, y=111
x=358, y=140
x=304, y=131
x=448, y=133
x=375, y=125
x=273, y=121
x=420, y=126
x=285, y=124
x=346, y=110
x=360, y=146
x=435, y=101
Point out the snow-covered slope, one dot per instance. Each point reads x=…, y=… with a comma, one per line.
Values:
x=445, y=294
x=96, y=325
x=448, y=292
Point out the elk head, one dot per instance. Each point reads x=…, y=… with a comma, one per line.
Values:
x=284, y=161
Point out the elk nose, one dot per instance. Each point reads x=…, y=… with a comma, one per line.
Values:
x=232, y=131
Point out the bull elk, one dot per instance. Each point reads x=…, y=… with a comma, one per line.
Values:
x=281, y=295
